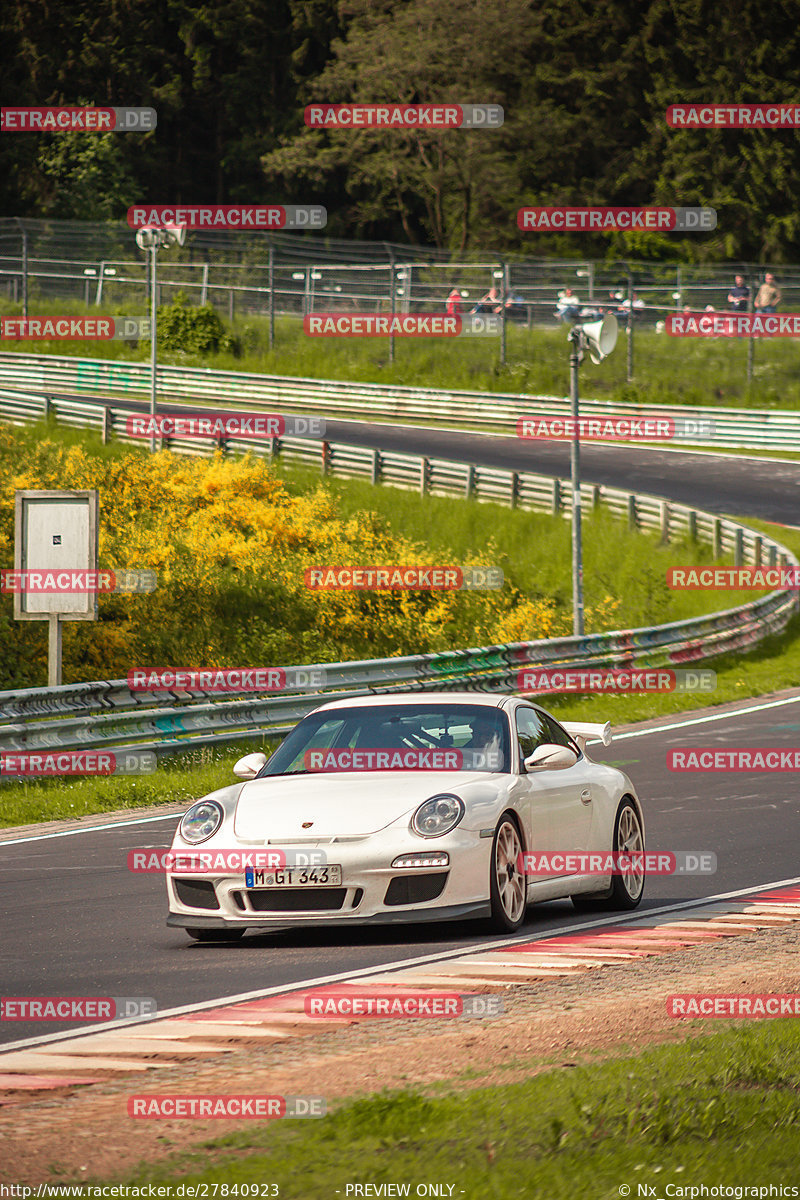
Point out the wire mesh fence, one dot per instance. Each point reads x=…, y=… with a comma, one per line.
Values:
x=285, y=275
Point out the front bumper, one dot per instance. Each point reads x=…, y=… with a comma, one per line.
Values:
x=405, y=916
x=368, y=881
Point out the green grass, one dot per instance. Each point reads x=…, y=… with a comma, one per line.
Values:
x=723, y=1112
x=533, y=550
x=178, y=780
x=693, y=371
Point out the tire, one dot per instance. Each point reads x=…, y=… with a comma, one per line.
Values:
x=216, y=935
x=507, y=887
x=626, y=891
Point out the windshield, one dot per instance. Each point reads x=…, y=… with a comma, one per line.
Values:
x=432, y=736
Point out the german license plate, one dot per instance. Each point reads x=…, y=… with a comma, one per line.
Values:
x=328, y=876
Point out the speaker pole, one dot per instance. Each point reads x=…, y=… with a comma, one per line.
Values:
x=576, y=339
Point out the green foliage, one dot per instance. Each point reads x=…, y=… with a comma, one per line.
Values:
x=193, y=330
x=584, y=89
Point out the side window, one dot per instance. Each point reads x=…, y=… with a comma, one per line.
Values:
x=531, y=731
x=559, y=736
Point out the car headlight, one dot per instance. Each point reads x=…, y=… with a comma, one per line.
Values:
x=437, y=816
x=201, y=821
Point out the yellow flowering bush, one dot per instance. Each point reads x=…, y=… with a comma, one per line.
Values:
x=231, y=545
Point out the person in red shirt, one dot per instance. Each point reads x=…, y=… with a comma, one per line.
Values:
x=454, y=303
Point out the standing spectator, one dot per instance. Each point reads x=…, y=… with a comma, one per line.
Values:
x=454, y=303
x=739, y=295
x=768, y=297
x=568, y=306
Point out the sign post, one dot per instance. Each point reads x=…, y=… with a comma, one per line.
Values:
x=55, y=532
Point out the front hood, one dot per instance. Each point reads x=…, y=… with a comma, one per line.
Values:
x=341, y=804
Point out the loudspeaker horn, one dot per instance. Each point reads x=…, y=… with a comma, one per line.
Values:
x=601, y=337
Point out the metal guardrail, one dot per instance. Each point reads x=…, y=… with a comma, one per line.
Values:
x=51, y=374
x=108, y=713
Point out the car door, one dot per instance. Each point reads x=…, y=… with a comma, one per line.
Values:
x=558, y=802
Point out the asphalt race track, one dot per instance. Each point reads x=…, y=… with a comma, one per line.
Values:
x=76, y=922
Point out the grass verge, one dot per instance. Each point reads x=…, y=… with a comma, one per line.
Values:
x=695, y=371
x=724, y=1114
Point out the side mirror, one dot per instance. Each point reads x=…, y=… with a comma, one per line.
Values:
x=548, y=756
x=249, y=766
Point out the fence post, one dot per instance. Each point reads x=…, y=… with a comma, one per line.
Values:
x=230, y=305
x=469, y=487
x=693, y=524
x=46, y=404
x=738, y=549
x=555, y=506
x=631, y=511
x=101, y=274
x=717, y=537
x=375, y=473
x=106, y=424
x=271, y=296
x=751, y=341
x=393, y=302
x=204, y=285
x=24, y=270
x=326, y=458
x=514, y=489
x=665, y=515
x=424, y=466
x=758, y=545
x=630, y=330
x=503, y=295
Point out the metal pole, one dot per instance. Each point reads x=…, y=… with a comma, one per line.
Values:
x=751, y=341
x=24, y=272
x=271, y=296
x=503, y=294
x=54, y=650
x=393, y=298
x=630, y=328
x=153, y=334
x=575, y=475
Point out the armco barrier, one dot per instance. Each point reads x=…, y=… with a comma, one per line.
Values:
x=44, y=373
x=108, y=713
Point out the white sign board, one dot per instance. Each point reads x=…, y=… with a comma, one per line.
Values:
x=56, y=533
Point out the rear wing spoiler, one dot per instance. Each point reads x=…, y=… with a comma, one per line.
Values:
x=583, y=731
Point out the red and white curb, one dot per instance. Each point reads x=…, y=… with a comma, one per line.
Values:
x=166, y=1042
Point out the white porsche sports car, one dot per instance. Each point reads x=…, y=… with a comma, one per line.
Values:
x=398, y=808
